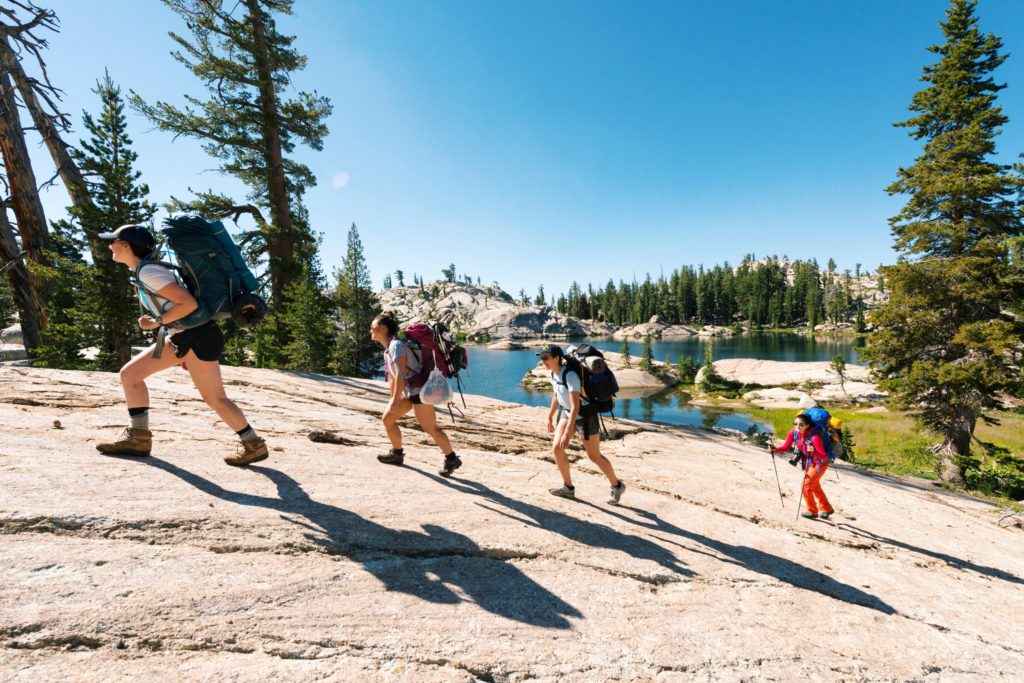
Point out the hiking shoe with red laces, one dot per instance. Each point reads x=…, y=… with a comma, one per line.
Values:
x=248, y=452
x=137, y=442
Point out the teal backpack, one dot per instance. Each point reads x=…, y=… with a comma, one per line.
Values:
x=211, y=267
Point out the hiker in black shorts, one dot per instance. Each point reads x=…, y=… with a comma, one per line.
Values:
x=400, y=364
x=197, y=349
x=566, y=417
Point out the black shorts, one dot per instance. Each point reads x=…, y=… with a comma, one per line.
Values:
x=416, y=400
x=206, y=341
x=586, y=426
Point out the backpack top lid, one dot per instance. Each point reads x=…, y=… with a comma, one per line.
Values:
x=827, y=426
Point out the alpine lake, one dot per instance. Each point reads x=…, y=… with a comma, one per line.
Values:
x=499, y=374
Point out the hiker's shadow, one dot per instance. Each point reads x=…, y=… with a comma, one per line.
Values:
x=420, y=564
x=574, y=528
x=950, y=560
x=762, y=562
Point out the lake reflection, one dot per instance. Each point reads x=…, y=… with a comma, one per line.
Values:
x=498, y=374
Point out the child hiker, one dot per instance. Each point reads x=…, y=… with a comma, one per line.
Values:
x=565, y=418
x=813, y=460
x=197, y=349
x=401, y=364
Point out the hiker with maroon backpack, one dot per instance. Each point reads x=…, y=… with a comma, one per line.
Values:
x=813, y=456
x=404, y=371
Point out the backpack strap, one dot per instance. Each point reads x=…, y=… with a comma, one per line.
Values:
x=142, y=287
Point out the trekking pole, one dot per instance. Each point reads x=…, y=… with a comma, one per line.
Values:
x=776, y=468
x=800, y=495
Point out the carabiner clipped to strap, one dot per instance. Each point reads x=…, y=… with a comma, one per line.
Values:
x=161, y=337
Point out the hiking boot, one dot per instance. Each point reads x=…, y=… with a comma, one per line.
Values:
x=391, y=458
x=451, y=463
x=248, y=452
x=826, y=515
x=563, y=492
x=616, y=493
x=809, y=515
x=137, y=442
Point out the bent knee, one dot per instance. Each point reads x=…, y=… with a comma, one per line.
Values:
x=129, y=376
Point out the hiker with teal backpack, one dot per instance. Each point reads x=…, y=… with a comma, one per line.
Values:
x=813, y=455
x=570, y=413
x=406, y=370
x=184, y=320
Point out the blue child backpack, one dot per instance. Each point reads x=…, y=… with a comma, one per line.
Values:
x=831, y=431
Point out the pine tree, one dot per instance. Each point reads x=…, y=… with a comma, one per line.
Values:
x=646, y=354
x=247, y=122
x=118, y=198
x=624, y=351
x=400, y=276
x=306, y=314
x=945, y=348
x=355, y=354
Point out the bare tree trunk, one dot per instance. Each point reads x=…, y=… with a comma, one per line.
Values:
x=69, y=172
x=955, y=446
x=282, y=245
x=17, y=274
x=28, y=210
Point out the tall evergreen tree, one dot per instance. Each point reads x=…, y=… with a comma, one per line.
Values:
x=945, y=347
x=107, y=161
x=355, y=354
x=306, y=313
x=247, y=122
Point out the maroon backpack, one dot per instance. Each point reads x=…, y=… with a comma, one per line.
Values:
x=435, y=347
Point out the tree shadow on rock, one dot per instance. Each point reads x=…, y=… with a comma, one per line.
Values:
x=759, y=561
x=420, y=564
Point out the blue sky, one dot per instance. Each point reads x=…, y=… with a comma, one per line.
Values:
x=539, y=142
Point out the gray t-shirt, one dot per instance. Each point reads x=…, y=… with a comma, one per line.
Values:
x=564, y=383
x=398, y=349
x=155, y=277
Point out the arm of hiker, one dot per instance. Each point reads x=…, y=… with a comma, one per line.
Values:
x=398, y=380
x=574, y=398
x=182, y=303
x=551, y=413
x=786, y=445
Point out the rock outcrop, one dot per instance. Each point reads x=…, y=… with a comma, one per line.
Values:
x=321, y=563
x=482, y=312
x=655, y=327
x=814, y=380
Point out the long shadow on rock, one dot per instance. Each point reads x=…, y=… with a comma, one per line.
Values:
x=579, y=530
x=955, y=562
x=755, y=560
x=404, y=561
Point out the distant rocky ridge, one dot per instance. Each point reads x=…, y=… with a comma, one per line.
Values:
x=485, y=313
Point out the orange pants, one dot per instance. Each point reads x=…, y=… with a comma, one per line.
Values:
x=812, y=488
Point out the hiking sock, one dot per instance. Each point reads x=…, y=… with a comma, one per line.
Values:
x=139, y=418
x=247, y=433
x=397, y=451
x=569, y=486
x=450, y=455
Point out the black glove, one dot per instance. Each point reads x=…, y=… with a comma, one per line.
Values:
x=794, y=460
